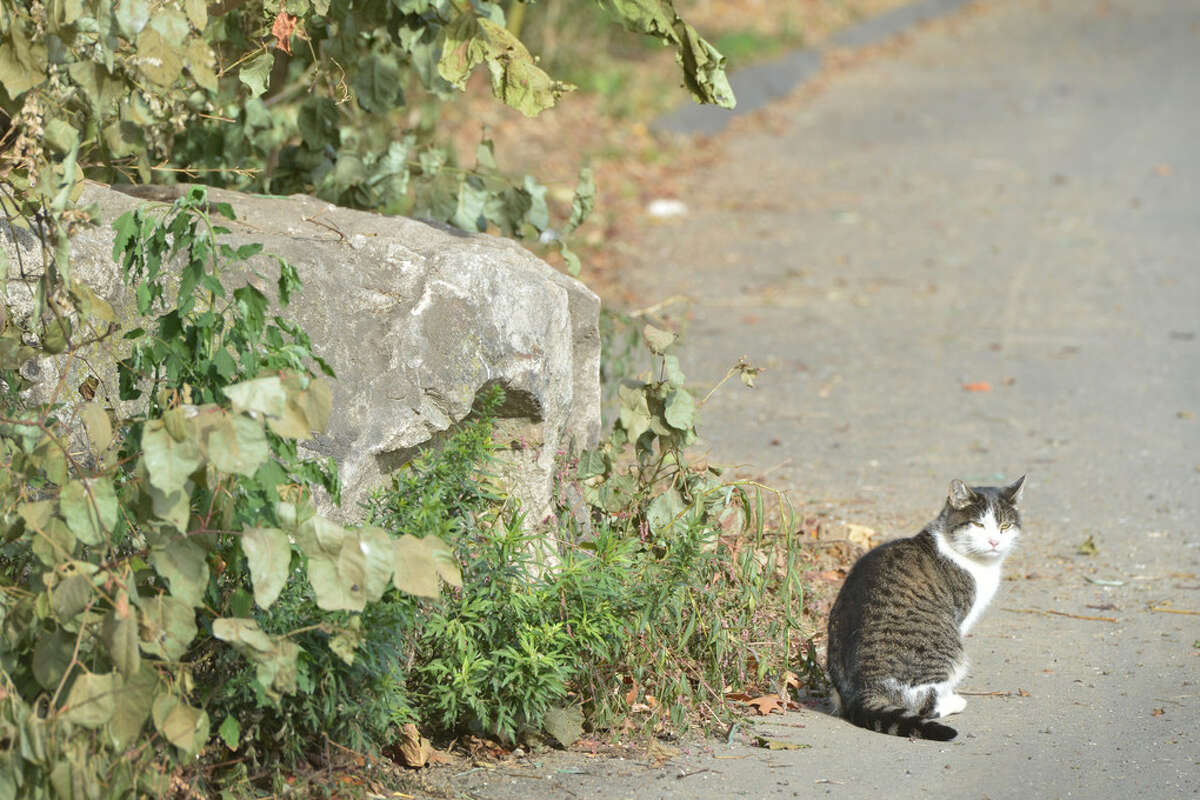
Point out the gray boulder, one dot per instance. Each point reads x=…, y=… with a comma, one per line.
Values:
x=415, y=319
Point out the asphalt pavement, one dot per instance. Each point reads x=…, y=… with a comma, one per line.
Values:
x=972, y=254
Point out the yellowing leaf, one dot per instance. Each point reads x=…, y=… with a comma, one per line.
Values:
x=157, y=58
x=263, y=395
x=269, y=555
x=89, y=508
x=182, y=725
x=168, y=462
x=91, y=701
x=415, y=572
x=274, y=657
x=98, y=426
x=133, y=701
x=120, y=637
x=168, y=626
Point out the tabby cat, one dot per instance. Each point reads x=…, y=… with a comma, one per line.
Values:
x=896, y=629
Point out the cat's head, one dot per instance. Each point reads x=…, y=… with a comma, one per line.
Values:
x=982, y=522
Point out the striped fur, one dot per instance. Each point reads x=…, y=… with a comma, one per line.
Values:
x=896, y=629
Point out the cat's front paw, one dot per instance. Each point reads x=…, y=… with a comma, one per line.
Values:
x=950, y=704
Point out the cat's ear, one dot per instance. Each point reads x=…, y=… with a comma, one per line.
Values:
x=960, y=494
x=1012, y=492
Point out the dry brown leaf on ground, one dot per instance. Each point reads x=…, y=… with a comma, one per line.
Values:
x=414, y=749
x=861, y=535
x=767, y=703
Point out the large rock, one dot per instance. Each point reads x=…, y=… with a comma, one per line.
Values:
x=415, y=319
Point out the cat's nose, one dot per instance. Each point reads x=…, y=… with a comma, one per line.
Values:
x=993, y=543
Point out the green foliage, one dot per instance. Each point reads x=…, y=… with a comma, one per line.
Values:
x=666, y=583
x=328, y=97
x=146, y=544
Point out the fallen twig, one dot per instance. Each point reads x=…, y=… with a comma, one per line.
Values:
x=1166, y=610
x=683, y=775
x=1061, y=614
x=987, y=694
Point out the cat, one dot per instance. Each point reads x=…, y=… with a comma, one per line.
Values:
x=896, y=630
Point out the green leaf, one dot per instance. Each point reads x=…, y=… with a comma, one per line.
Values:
x=256, y=72
x=168, y=626
x=182, y=725
x=339, y=583
x=680, y=411
x=171, y=24
x=92, y=699
x=634, y=414
x=54, y=543
x=592, y=463
x=51, y=657
x=443, y=561
x=173, y=507
x=415, y=571
x=243, y=632
x=671, y=371
x=57, y=336
x=378, y=83
x=236, y=445
x=516, y=79
x=269, y=556
x=71, y=596
x=133, y=701
x=197, y=13
x=89, y=508
x=583, y=200
x=168, y=462
x=198, y=58
x=263, y=395
x=703, y=67
x=120, y=635
x=378, y=560
x=98, y=426
x=132, y=16
x=230, y=732
x=158, y=59
x=472, y=197
x=274, y=657
x=663, y=509
x=658, y=340
x=59, y=134
x=183, y=562
x=346, y=641
x=36, y=514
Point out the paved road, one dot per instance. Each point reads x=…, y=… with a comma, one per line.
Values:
x=1013, y=197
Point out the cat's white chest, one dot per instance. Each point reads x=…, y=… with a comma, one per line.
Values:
x=987, y=581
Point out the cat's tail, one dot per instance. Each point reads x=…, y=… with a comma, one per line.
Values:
x=877, y=713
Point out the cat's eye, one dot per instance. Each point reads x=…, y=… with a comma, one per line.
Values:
x=977, y=523
x=1005, y=526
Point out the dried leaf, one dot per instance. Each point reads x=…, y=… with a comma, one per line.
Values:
x=860, y=535
x=282, y=30
x=1087, y=547
x=777, y=744
x=767, y=703
x=977, y=386
x=414, y=749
